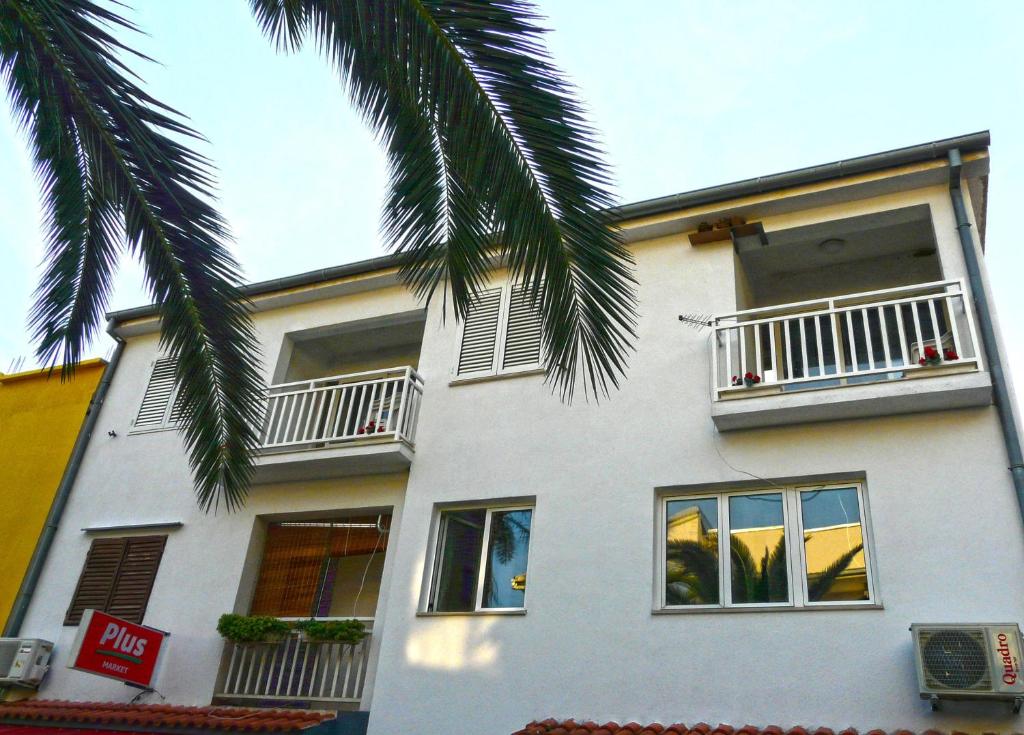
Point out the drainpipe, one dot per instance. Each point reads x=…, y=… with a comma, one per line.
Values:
x=1004, y=406
x=60, y=500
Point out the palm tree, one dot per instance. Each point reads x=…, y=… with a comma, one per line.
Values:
x=489, y=159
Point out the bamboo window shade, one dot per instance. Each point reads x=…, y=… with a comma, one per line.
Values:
x=298, y=556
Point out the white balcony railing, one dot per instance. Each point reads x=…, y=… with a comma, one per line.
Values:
x=845, y=340
x=380, y=404
x=296, y=669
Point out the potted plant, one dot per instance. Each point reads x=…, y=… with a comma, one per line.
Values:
x=332, y=631
x=252, y=628
x=930, y=357
x=747, y=379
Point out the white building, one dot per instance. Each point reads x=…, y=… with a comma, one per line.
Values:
x=826, y=284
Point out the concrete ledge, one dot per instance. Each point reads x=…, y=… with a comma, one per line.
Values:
x=886, y=398
x=371, y=458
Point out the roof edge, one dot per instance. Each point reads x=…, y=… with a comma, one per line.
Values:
x=846, y=167
x=259, y=288
x=809, y=175
x=47, y=371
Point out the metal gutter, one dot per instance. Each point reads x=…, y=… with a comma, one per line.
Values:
x=1004, y=405
x=814, y=174
x=60, y=500
x=877, y=161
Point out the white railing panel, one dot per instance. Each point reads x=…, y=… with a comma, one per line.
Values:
x=380, y=404
x=828, y=341
x=296, y=669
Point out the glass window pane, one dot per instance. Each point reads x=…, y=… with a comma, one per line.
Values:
x=507, y=552
x=757, y=540
x=833, y=545
x=459, y=546
x=691, y=552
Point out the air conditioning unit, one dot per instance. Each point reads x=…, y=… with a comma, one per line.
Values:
x=969, y=661
x=24, y=661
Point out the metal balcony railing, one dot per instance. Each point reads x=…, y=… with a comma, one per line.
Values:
x=380, y=404
x=296, y=669
x=845, y=340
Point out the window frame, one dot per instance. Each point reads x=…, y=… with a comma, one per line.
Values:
x=504, y=310
x=796, y=560
x=437, y=555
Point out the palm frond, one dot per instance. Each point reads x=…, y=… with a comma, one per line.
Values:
x=115, y=177
x=490, y=155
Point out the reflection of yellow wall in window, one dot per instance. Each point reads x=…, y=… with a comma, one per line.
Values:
x=759, y=540
x=689, y=526
x=823, y=546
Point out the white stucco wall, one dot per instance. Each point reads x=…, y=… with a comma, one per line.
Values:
x=942, y=512
x=948, y=542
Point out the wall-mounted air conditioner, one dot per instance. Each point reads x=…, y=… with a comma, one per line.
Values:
x=969, y=661
x=24, y=661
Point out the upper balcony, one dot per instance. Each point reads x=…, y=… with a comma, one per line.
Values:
x=342, y=409
x=907, y=345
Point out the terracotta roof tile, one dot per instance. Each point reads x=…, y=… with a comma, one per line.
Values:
x=162, y=717
x=554, y=727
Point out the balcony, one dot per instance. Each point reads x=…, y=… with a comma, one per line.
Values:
x=295, y=672
x=898, y=350
x=360, y=423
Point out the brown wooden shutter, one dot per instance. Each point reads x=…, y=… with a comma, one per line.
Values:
x=97, y=579
x=135, y=578
x=117, y=577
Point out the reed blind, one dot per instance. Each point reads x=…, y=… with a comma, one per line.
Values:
x=296, y=574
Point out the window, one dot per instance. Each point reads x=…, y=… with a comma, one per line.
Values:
x=501, y=334
x=117, y=577
x=786, y=547
x=481, y=560
x=158, y=409
x=322, y=568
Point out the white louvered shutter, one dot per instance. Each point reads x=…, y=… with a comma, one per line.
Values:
x=523, y=331
x=159, y=390
x=480, y=334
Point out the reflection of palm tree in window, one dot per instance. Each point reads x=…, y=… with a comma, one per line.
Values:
x=508, y=533
x=819, y=585
x=692, y=573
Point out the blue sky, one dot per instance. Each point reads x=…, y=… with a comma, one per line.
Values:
x=684, y=94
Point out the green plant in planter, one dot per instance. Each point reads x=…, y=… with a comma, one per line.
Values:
x=334, y=631
x=252, y=628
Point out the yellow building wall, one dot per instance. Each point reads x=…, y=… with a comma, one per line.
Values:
x=40, y=417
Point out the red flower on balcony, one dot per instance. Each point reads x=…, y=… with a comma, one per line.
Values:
x=950, y=354
x=748, y=379
x=931, y=356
